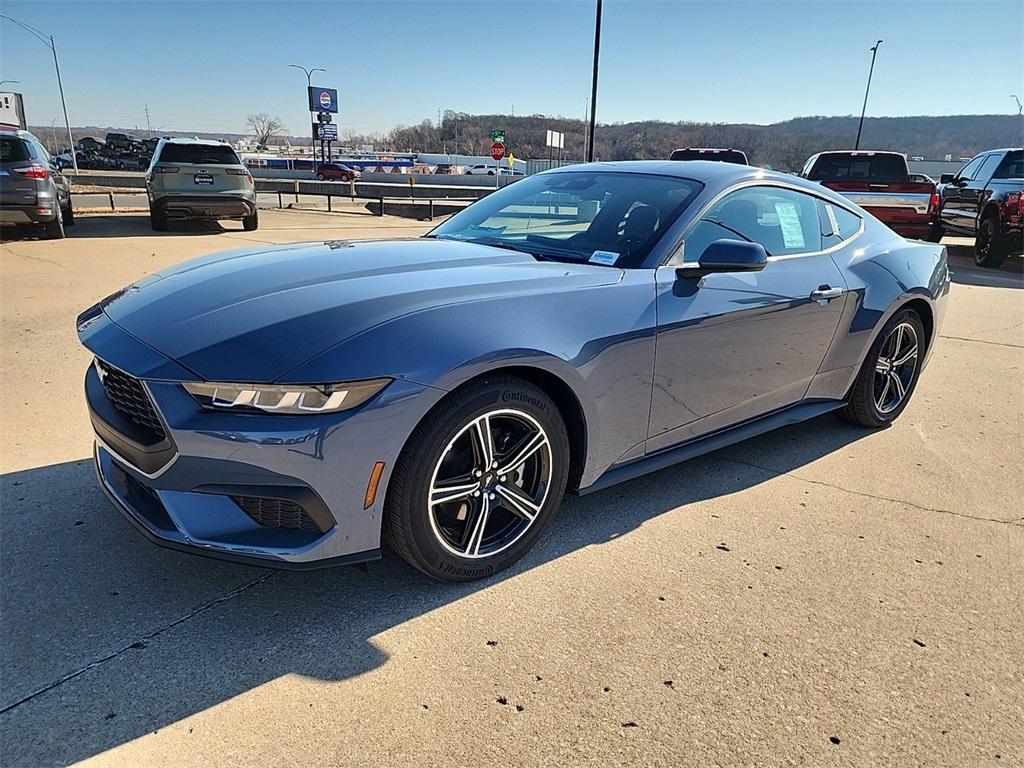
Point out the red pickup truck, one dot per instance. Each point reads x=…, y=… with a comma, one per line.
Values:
x=880, y=183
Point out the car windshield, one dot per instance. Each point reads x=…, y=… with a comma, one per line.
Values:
x=608, y=218
x=198, y=154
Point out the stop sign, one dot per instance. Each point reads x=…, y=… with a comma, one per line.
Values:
x=497, y=150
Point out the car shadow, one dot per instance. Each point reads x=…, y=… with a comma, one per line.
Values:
x=120, y=225
x=964, y=271
x=134, y=672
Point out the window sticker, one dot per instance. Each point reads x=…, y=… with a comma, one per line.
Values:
x=789, y=221
x=608, y=258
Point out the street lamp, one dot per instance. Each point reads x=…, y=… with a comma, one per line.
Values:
x=309, y=84
x=874, y=52
x=47, y=40
x=593, y=84
x=1020, y=107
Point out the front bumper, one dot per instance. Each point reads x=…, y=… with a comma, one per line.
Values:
x=190, y=488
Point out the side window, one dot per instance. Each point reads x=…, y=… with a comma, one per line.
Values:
x=1012, y=166
x=849, y=223
x=968, y=171
x=988, y=168
x=784, y=221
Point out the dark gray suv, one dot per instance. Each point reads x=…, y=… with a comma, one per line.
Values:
x=32, y=188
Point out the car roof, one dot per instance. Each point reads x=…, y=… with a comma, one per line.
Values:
x=195, y=140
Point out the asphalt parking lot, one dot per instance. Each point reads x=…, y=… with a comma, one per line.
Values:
x=820, y=596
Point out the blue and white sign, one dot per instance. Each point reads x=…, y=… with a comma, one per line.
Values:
x=326, y=131
x=323, y=99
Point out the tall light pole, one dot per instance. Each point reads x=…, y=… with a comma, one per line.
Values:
x=309, y=84
x=593, y=84
x=47, y=40
x=874, y=52
x=1020, y=107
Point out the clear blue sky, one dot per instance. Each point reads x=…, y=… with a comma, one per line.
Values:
x=205, y=66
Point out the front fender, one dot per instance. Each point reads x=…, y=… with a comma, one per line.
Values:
x=598, y=340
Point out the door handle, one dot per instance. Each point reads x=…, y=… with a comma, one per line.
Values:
x=826, y=293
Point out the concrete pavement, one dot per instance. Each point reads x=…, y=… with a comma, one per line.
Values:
x=821, y=596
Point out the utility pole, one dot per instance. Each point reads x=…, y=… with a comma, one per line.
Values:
x=1020, y=107
x=586, y=117
x=863, y=109
x=47, y=40
x=149, y=124
x=593, y=84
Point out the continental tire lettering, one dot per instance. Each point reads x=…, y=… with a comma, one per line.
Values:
x=471, y=573
x=519, y=397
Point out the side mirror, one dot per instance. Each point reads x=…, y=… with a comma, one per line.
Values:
x=945, y=178
x=727, y=256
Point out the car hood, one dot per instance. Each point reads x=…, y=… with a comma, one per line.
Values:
x=252, y=315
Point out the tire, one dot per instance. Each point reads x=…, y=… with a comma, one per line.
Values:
x=321, y=177
x=54, y=230
x=934, y=233
x=872, y=400
x=990, y=250
x=69, y=215
x=443, y=540
x=158, y=220
x=251, y=223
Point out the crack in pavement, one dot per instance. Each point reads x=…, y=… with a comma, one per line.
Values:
x=780, y=473
x=134, y=644
x=983, y=341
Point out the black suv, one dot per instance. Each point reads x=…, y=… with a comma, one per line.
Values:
x=985, y=200
x=32, y=188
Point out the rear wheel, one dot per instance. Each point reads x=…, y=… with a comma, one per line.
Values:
x=990, y=250
x=478, y=480
x=251, y=223
x=54, y=230
x=158, y=220
x=69, y=215
x=889, y=374
x=934, y=233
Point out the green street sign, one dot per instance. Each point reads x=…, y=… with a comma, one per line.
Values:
x=498, y=136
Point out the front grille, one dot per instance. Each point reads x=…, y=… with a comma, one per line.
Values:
x=276, y=513
x=128, y=395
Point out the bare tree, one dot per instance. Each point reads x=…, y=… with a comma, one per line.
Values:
x=264, y=127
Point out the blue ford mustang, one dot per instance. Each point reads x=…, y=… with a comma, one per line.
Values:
x=292, y=405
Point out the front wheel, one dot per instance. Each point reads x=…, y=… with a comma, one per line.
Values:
x=321, y=177
x=889, y=373
x=478, y=480
x=990, y=250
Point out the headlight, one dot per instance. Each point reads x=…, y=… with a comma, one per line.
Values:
x=285, y=398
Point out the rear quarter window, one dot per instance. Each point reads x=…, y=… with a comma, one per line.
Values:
x=13, y=150
x=198, y=154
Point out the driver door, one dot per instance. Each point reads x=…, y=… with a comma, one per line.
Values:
x=734, y=346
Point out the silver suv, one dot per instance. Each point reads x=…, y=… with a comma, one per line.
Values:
x=32, y=188
x=199, y=179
